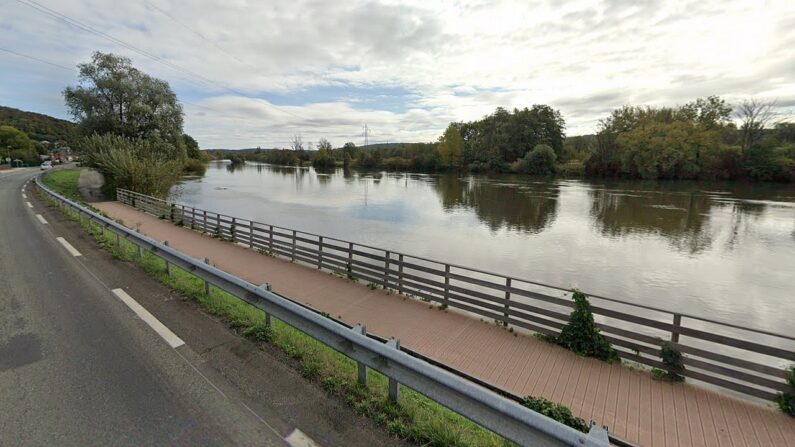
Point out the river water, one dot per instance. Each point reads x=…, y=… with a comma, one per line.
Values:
x=725, y=251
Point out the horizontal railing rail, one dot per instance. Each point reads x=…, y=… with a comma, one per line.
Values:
x=498, y=412
x=745, y=360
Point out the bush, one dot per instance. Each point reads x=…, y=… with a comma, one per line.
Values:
x=581, y=334
x=194, y=166
x=323, y=159
x=259, y=332
x=539, y=161
x=672, y=359
x=558, y=412
x=145, y=166
x=786, y=401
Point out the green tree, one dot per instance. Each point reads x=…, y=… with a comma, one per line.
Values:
x=324, y=144
x=17, y=145
x=539, y=161
x=114, y=97
x=191, y=147
x=451, y=147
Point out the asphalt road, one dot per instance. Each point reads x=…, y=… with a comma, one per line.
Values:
x=79, y=367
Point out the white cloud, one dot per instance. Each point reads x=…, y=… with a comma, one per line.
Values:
x=457, y=60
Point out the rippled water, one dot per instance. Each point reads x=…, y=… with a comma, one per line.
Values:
x=725, y=251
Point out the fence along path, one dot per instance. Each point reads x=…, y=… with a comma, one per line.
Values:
x=628, y=401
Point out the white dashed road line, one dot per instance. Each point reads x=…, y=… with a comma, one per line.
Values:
x=170, y=337
x=41, y=219
x=297, y=438
x=29, y=205
x=72, y=251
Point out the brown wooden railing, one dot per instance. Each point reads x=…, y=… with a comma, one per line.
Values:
x=745, y=360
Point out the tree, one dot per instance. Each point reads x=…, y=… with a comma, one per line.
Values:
x=297, y=144
x=114, y=97
x=754, y=116
x=16, y=144
x=451, y=147
x=191, y=147
x=539, y=161
x=323, y=144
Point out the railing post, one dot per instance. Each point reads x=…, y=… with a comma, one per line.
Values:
x=232, y=230
x=350, y=258
x=675, y=331
x=387, y=255
x=168, y=266
x=140, y=254
x=320, y=252
x=293, y=254
x=171, y=216
x=250, y=234
x=361, y=367
x=400, y=275
x=446, y=284
x=204, y=222
x=270, y=240
x=394, y=388
x=118, y=243
x=206, y=283
x=507, y=300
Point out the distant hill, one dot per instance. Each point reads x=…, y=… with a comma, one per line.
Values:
x=38, y=127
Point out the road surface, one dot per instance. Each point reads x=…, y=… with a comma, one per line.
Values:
x=82, y=362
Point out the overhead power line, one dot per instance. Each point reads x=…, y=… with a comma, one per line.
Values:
x=74, y=22
x=26, y=56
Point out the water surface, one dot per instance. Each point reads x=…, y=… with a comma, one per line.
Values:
x=722, y=250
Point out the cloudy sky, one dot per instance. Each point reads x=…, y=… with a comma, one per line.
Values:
x=254, y=73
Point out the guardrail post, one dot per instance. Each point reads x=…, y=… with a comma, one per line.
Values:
x=387, y=255
x=400, y=276
x=140, y=254
x=268, y=321
x=362, y=368
x=204, y=222
x=675, y=331
x=206, y=283
x=118, y=242
x=233, y=230
x=250, y=234
x=320, y=252
x=168, y=266
x=507, y=300
x=446, y=284
x=394, y=389
x=293, y=254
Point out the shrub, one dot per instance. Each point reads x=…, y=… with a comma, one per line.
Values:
x=558, y=412
x=194, y=167
x=146, y=166
x=259, y=332
x=581, y=334
x=786, y=401
x=672, y=359
x=539, y=161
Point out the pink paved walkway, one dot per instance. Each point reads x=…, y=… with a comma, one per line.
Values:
x=629, y=402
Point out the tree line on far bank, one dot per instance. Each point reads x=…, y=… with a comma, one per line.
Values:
x=698, y=140
x=131, y=127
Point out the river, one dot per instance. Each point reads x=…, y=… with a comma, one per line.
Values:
x=721, y=250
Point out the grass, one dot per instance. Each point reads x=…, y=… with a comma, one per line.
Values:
x=414, y=417
x=64, y=181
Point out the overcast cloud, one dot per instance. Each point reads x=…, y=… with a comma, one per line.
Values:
x=252, y=73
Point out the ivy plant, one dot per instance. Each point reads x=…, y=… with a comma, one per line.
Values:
x=581, y=334
x=558, y=412
x=786, y=401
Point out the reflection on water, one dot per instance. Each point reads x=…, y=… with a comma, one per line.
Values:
x=720, y=250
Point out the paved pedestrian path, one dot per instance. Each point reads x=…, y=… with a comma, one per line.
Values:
x=632, y=404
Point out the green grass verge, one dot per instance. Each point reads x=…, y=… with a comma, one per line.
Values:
x=64, y=181
x=414, y=418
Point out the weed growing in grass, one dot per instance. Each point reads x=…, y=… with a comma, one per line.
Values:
x=259, y=332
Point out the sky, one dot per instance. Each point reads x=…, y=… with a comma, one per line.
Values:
x=253, y=73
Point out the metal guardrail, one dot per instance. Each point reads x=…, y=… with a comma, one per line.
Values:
x=501, y=415
x=745, y=360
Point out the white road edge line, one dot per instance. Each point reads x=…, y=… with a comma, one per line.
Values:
x=297, y=438
x=72, y=251
x=29, y=205
x=170, y=337
x=41, y=219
